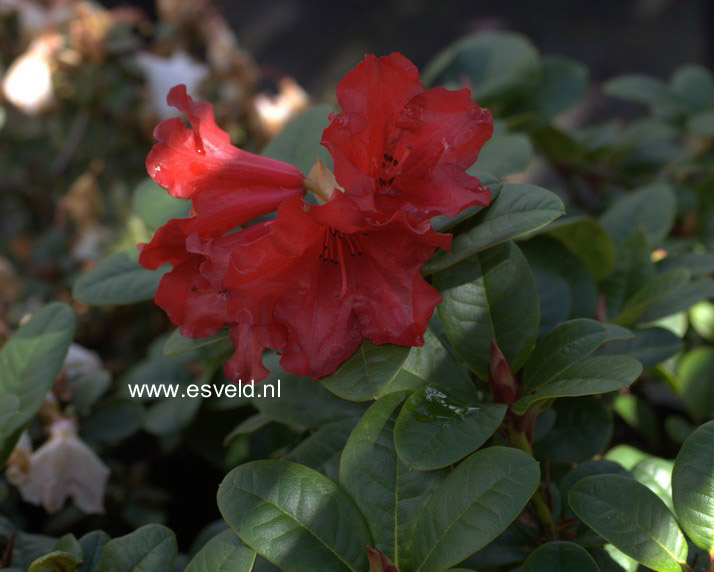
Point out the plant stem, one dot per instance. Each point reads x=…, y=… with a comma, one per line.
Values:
x=519, y=440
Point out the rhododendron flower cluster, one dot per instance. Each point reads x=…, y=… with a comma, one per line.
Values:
x=315, y=280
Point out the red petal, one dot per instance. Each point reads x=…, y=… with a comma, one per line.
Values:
x=246, y=363
x=191, y=301
x=371, y=96
x=187, y=161
x=167, y=246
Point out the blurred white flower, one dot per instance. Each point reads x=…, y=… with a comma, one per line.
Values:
x=164, y=73
x=28, y=81
x=64, y=466
x=80, y=361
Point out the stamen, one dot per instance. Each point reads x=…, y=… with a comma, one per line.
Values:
x=343, y=269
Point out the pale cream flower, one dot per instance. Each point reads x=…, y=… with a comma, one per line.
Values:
x=64, y=466
x=80, y=361
x=28, y=81
x=164, y=73
x=275, y=111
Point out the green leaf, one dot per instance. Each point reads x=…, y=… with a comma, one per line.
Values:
x=653, y=207
x=472, y=506
x=294, y=516
x=92, y=544
x=633, y=269
x=29, y=363
x=562, y=84
x=389, y=495
x=56, y=561
x=322, y=450
x=504, y=154
x=118, y=279
x=153, y=204
x=626, y=455
x=639, y=414
x=299, y=141
x=694, y=373
x=701, y=316
x=701, y=123
x=650, y=346
x=594, y=375
x=112, y=420
x=176, y=344
x=647, y=90
x=498, y=65
x=490, y=296
x=151, y=547
x=587, y=469
x=582, y=429
x=432, y=364
x=303, y=403
x=560, y=557
x=680, y=300
x=656, y=475
x=517, y=210
x=223, y=553
x=434, y=431
x=588, y=240
x=693, y=486
x=369, y=373
x=694, y=83
x=631, y=517
x=565, y=286
x=565, y=345
x=656, y=290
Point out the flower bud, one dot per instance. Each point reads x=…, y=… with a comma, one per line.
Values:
x=500, y=377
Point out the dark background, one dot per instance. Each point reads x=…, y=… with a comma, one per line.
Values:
x=317, y=41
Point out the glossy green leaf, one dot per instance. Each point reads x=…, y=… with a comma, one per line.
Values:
x=656, y=290
x=303, y=403
x=29, y=363
x=223, y=553
x=582, y=429
x=626, y=455
x=433, y=430
x=118, y=279
x=508, y=548
x=656, y=474
x=693, y=486
x=153, y=204
x=587, y=469
x=56, y=561
x=594, y=375
x=504, y=154
x=517, y=210
x=701, y=317
x=680, y=300
x=588, y=240
x=565, y=345
x=92, y=544
x=566, y=289
x=490, y=296
x=498, y=65
x=472, y=506
x=650, y=346
x=653, y=207
x=694, y=372
x=294, y=516
x=369, y=373
x=631, y=517
x=389, y=495
x=322, y=450
x=112, y=420
x=299, y=141
x=560, y=557
x=151, y=547
x=639, y=414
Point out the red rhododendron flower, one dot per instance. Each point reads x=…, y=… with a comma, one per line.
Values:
x=316, y=280
x=323, y=278
x=396, y=145
x=193, y=162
